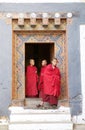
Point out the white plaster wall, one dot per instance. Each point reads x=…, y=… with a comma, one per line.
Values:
x=41, y=1
x=80, y=119
x=82, y=50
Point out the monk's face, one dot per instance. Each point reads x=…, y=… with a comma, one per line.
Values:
x=44, y=62
x=32, y=62
x=54, y=62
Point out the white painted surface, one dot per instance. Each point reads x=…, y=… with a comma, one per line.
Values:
x=41, y=1
x=17, y=110
x=82, y=50
x=81, y=118
x=30, y=119
x=41, y=118
x=41, y=126
x=19, y=114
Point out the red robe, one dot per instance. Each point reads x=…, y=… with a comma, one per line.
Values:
x=31, y=81
x=51, y=84
x=40, y=85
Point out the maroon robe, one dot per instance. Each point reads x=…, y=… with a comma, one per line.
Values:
x=40, y=85
x=31, y=81
x=51, y=84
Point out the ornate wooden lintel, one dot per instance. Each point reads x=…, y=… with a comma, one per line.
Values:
x=9, y=16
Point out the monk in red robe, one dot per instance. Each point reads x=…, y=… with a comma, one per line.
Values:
x=40, y=85
x=31, y=80
x=52, y=80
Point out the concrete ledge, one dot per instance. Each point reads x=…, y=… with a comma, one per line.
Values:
x=40, y=126
x=80, y=119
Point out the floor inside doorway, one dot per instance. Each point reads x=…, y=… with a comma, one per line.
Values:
x=31, y=103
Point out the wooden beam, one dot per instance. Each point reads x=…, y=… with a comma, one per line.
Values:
x=57, y=21
x=21, y=21
x=45, y=21
x=33, y=21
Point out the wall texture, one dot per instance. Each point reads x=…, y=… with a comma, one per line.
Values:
x=74, y=75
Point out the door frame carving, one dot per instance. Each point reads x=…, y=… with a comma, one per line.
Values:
x=19, y=93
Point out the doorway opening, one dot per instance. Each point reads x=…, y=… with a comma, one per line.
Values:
x=38, y=52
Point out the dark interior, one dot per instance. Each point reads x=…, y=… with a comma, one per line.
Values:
x=38, y=52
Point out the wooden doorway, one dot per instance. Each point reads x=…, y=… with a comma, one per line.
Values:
x=52, y=44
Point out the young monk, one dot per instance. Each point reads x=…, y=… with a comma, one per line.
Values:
x=31, y=80
x=51, y=83
x=40, y=85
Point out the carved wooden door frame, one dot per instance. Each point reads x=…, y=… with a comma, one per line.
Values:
x=18, y=58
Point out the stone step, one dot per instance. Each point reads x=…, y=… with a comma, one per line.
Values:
x=22, y=110
x=31, y=119
x=41, y=126
x=40, y=117
x=20, y=114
